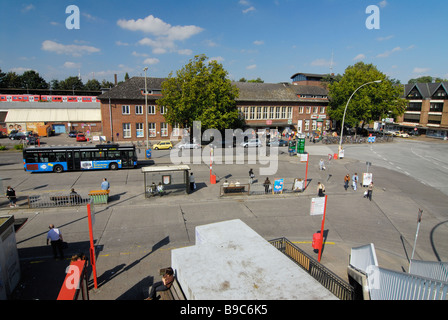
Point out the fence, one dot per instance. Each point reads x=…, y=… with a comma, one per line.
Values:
x=327, y=278
x=57, y=200
x=258, y=188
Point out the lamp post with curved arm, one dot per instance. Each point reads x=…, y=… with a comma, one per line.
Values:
x=345, y=111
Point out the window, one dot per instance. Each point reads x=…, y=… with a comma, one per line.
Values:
x=127, y=130
x=413, y=118
x=307, y=125
x=162, y=110
x=252, y=113
x=271, y=113
x=314, y=125
x=164, y=129
x=308, y=110
x=289, y=115
x=436, y=107
x=315, y=109
x=277, y=113
x=301, y=109
x=151, y=109
x=265, y=112
x=152, y=130
x=125, y=110
x=434, y=119
x=322, y=109
x=139, y=130
x=176, y=130
x=283, y=113
x=414, y=106
x=259, y=112
x=138, y=109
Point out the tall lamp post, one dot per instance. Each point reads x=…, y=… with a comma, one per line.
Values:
x=146, y=128
x=345, y=111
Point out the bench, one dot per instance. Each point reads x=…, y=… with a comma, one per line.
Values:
x=174, y=292
x=233, y=190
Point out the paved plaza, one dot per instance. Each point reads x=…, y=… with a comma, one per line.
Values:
x=134, y=235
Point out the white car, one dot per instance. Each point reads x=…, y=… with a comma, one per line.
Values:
x=403, y=135
x=188, y=145
x=251, y=143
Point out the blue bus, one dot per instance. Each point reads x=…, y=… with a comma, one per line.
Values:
x=72, y=158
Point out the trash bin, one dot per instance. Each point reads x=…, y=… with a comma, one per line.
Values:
x=317, y=241
x=99, y=196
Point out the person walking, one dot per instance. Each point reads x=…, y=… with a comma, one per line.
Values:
x=346, y=181
x=355, y=181
x=251, y=176
x=321, y=164
x=267, y=184
x=320, y=189
x=370, y=191
x=11, y=195
x=54, y=236
x=105, y=185
x=192, y=182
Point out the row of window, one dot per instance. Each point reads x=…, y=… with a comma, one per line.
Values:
x=433, y=107
x=264, y=113
x=415, y=118
x=126, y=109
x=152, y=130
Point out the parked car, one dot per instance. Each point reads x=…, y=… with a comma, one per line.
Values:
x=277, y=143
x=81, y=137
x=403, y=135
x=251, y=143
x=163, y=145
x=73, y=133
x=17, y=136
x=221, y=144
x=188, y=145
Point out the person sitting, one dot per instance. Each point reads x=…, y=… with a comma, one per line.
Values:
x=75, y=198
x=152, y=189
x=165, y=284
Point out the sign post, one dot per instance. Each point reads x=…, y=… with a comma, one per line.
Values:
x=91, y=219
x=319, y=207
x=419, y=219
x=304, y=157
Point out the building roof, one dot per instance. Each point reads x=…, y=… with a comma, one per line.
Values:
x=248, y=91
x=132, y=89
x=309, y=75
x=53, y=115
x=427, y=90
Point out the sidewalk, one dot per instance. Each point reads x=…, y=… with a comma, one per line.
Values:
x=134, y=236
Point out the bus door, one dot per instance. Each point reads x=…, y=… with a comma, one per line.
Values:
x=127, y=159
x=73, y=160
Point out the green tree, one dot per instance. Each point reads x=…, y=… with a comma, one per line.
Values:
x=11, y=80
x=126, y=77
x=107, y=84
x=32, y=80
x=426, y=79
x=371, y=102
x=200, y=92
x=71, y=83
x=93, y=85
x=2, y=79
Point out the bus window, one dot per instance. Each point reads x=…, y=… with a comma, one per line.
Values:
x=32, y=158
x=99, y=155
x=85, y=155
x=60, y=156
x=113, y=155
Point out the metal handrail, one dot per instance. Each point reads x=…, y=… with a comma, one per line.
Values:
x=325, y=276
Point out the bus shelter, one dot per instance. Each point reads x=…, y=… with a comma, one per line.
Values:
x=166, y=180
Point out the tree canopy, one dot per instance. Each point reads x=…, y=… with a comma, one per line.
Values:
x=371, y=102
x=200, y=91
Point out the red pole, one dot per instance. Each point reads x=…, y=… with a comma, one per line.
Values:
x=92, y=247
x=322, y=230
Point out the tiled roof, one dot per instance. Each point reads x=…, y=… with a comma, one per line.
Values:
x=132, y=88
x=427, y=90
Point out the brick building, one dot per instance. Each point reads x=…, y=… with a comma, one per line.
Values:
x=284, y=106
x=427, y=110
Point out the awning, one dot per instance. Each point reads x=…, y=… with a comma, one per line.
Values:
x=53, y=115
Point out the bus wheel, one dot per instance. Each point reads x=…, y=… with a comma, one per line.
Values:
x=113, y=166
x=58, y=169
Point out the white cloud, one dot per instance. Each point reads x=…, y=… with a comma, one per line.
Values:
x=388, y=53
x=185, y=52
x=210, y=43
x=252, y=8
x=28, y=8
x=359, y=57
x=383, y=3
x=136, y=54
x=74, y=50
x=217, y=59
x=72, y=65
x=251, y=67
x=258, y=42
x=321, y=63
x=20, y=70
x=420, y=70
x=165, y=34
x=385, y=38
x=120, y=43
x=151, y=61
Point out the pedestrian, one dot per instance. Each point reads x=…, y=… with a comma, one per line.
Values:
x=370, y=191
x=321, y=164
x=165, y=284
x=251, y=176
x=192, y=182
x=11, y=195
x=346, y=181
x=320, y=189
x=267, y=185
x=105, y=185
x=54, y=236
x=355, y=181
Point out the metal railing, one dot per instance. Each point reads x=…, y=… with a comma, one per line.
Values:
x=326, y=277
x=57, y=200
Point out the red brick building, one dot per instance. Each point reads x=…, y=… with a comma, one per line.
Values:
x=284, y=106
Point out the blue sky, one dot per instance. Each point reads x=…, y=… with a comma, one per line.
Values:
x=270, y=39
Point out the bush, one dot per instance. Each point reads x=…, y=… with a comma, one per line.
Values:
x=2, y=147
x=18, y=147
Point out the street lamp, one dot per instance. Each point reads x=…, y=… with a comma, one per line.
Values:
x=343, y=118
x=146, y=112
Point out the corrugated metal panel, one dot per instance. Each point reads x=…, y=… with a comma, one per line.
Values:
x=53, y=115
x=430, y=269
x=363, y=257
x=391, y=285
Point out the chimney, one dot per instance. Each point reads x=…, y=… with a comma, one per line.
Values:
x=116, y=80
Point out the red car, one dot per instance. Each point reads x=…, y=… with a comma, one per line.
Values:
x=81, y=137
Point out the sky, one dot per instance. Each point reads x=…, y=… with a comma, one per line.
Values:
x=267, y=39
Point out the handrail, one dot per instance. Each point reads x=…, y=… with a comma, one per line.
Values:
x=325, y=276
